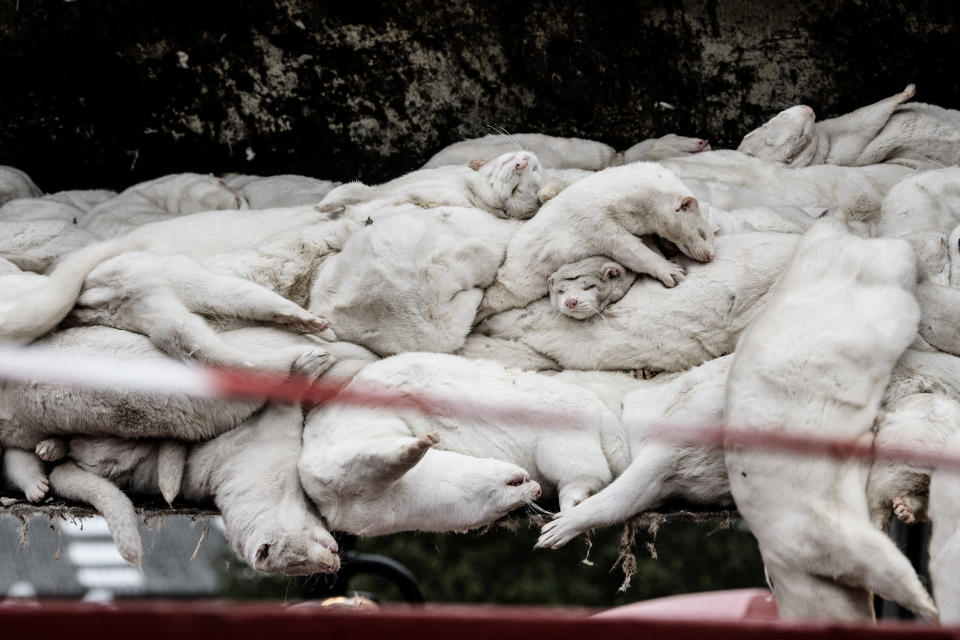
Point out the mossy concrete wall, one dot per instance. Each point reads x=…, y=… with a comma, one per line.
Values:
x=111, y=92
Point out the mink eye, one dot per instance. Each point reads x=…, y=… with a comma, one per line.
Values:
x=703, y=234
x=593, y=286
x=560, y=291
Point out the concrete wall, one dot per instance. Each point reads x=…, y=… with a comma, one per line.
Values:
x=108, y=93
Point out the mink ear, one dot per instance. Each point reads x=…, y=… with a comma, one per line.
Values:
x=476, y=163
x=550, y=281
x=687, y=203
x=262, y=552
x=610, y=272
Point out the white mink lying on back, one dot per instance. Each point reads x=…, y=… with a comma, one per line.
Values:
x=343, y=443
x=31, y=305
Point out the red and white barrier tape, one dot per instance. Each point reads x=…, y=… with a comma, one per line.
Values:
x=38, y=364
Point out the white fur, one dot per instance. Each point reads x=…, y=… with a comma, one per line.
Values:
x=30, y=413
x=350, y=450
x=916, y=422
x=509, y=353
x=552, y=151
x=587, y=287
x=924, y=209
x=24, y=470
x=45, y=241
x=944, y=510
x=659, y=470
x=412, y=281
x=30, y=209
x=816, y=360
x=73, y=483
x=14, y=184
x=603, y=215
x=506, y=186
x=858, y=189
x=656, y=149
x=31, y=305
x=159, y=199
x=168, y=297
x=794, y=138
x=656, y=328
x=566, y=153
x=249, y=472
x=62, y=205
x=279, y=191
x=919, y=136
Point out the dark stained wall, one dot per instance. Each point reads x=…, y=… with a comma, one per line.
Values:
x=112, y=92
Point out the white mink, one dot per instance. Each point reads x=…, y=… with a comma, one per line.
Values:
x=32, y=412
x=31, y=305
x=484, y=455
x=587, y=287
x=794, y=138
x=509, y=353
x=666, y=469
x=250, y=474
x=816, y=361
x=660, y=329
x=565, y=153
x=924, y=209
x=916, y=422
x=919, y=136
x=506, y=186
x=659, y=469
x=860, y=190
x=603, y=215
x=14, y=184
x=159, y=199
x=540, y=446
x=944, y=511
x=170, y=299
x=45, y=241
x=269, y=192
x=916, y=135
x=62, y=205
x=412, y=281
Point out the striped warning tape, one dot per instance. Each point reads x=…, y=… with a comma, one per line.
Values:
x=40, y=364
